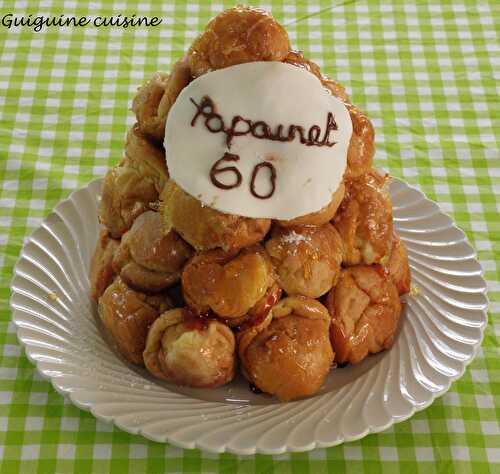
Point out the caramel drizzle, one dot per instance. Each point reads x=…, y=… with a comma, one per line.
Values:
x=259, y=129
x=194, y=321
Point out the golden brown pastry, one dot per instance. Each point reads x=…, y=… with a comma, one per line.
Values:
x=127, y=315
x=227, y=283
x=130, y=187
x=260, y=310
x=362, y=145
x=307, y=259
x=188, y=350
x=364, y=220
x=296, y=58
x=206, y=228
x=101, y=268
x=319, y=217
x=289, y=353
x=398, y=267
x=145, y=105
x=148, y=259
x=155, y=98
x=365, y=311
x=235, y=36
x=336, y=89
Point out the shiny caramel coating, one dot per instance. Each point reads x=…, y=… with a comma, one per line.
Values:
x=297, y=59
x=289, y=354
x=336, y=89
x=398, y=266
x=148, y=259
x=362, y=145
x=130, y=187
x=235, y=36
x=365, y=309
x=364, y=220
x=101, y=268
x=307, y=259
x=320, y=217
x=229, y=284
x=145, y=105
x=190, y=351
x=127, y=315
x=206, y=228
x=154, y=99
x=261, y=309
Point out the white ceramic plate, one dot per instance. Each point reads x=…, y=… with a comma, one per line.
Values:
x=442, y=328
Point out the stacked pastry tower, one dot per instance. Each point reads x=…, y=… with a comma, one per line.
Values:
x=188, y=290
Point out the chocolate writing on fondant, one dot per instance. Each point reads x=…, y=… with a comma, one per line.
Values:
x=217, y=169
x=259, y=129
x=272, y=177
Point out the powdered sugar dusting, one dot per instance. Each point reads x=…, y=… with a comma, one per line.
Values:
x=294, y=238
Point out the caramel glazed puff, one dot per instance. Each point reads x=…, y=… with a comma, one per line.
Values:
x=365, y=309
x=154, y=100
x=149, y=259
x=187, y=350
x=307, y=259
x=289, y=353
x=238, y=35
x=101, y=266
x=130, y=187
x=398, y=267
x=234, y=286
x=364, y=220
x=127, y=315
x=206, y=228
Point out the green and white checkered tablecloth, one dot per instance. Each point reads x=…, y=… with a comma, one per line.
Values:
x=428, y=73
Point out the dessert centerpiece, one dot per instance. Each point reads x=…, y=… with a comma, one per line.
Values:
x=246, y=228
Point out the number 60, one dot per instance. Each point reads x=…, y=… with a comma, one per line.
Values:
x=217, y=169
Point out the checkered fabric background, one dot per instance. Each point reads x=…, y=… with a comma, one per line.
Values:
x=427, y=73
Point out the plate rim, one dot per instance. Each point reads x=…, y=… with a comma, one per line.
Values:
x=89, y=407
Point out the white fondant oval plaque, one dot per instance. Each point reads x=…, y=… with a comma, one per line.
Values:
x=261, y=139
